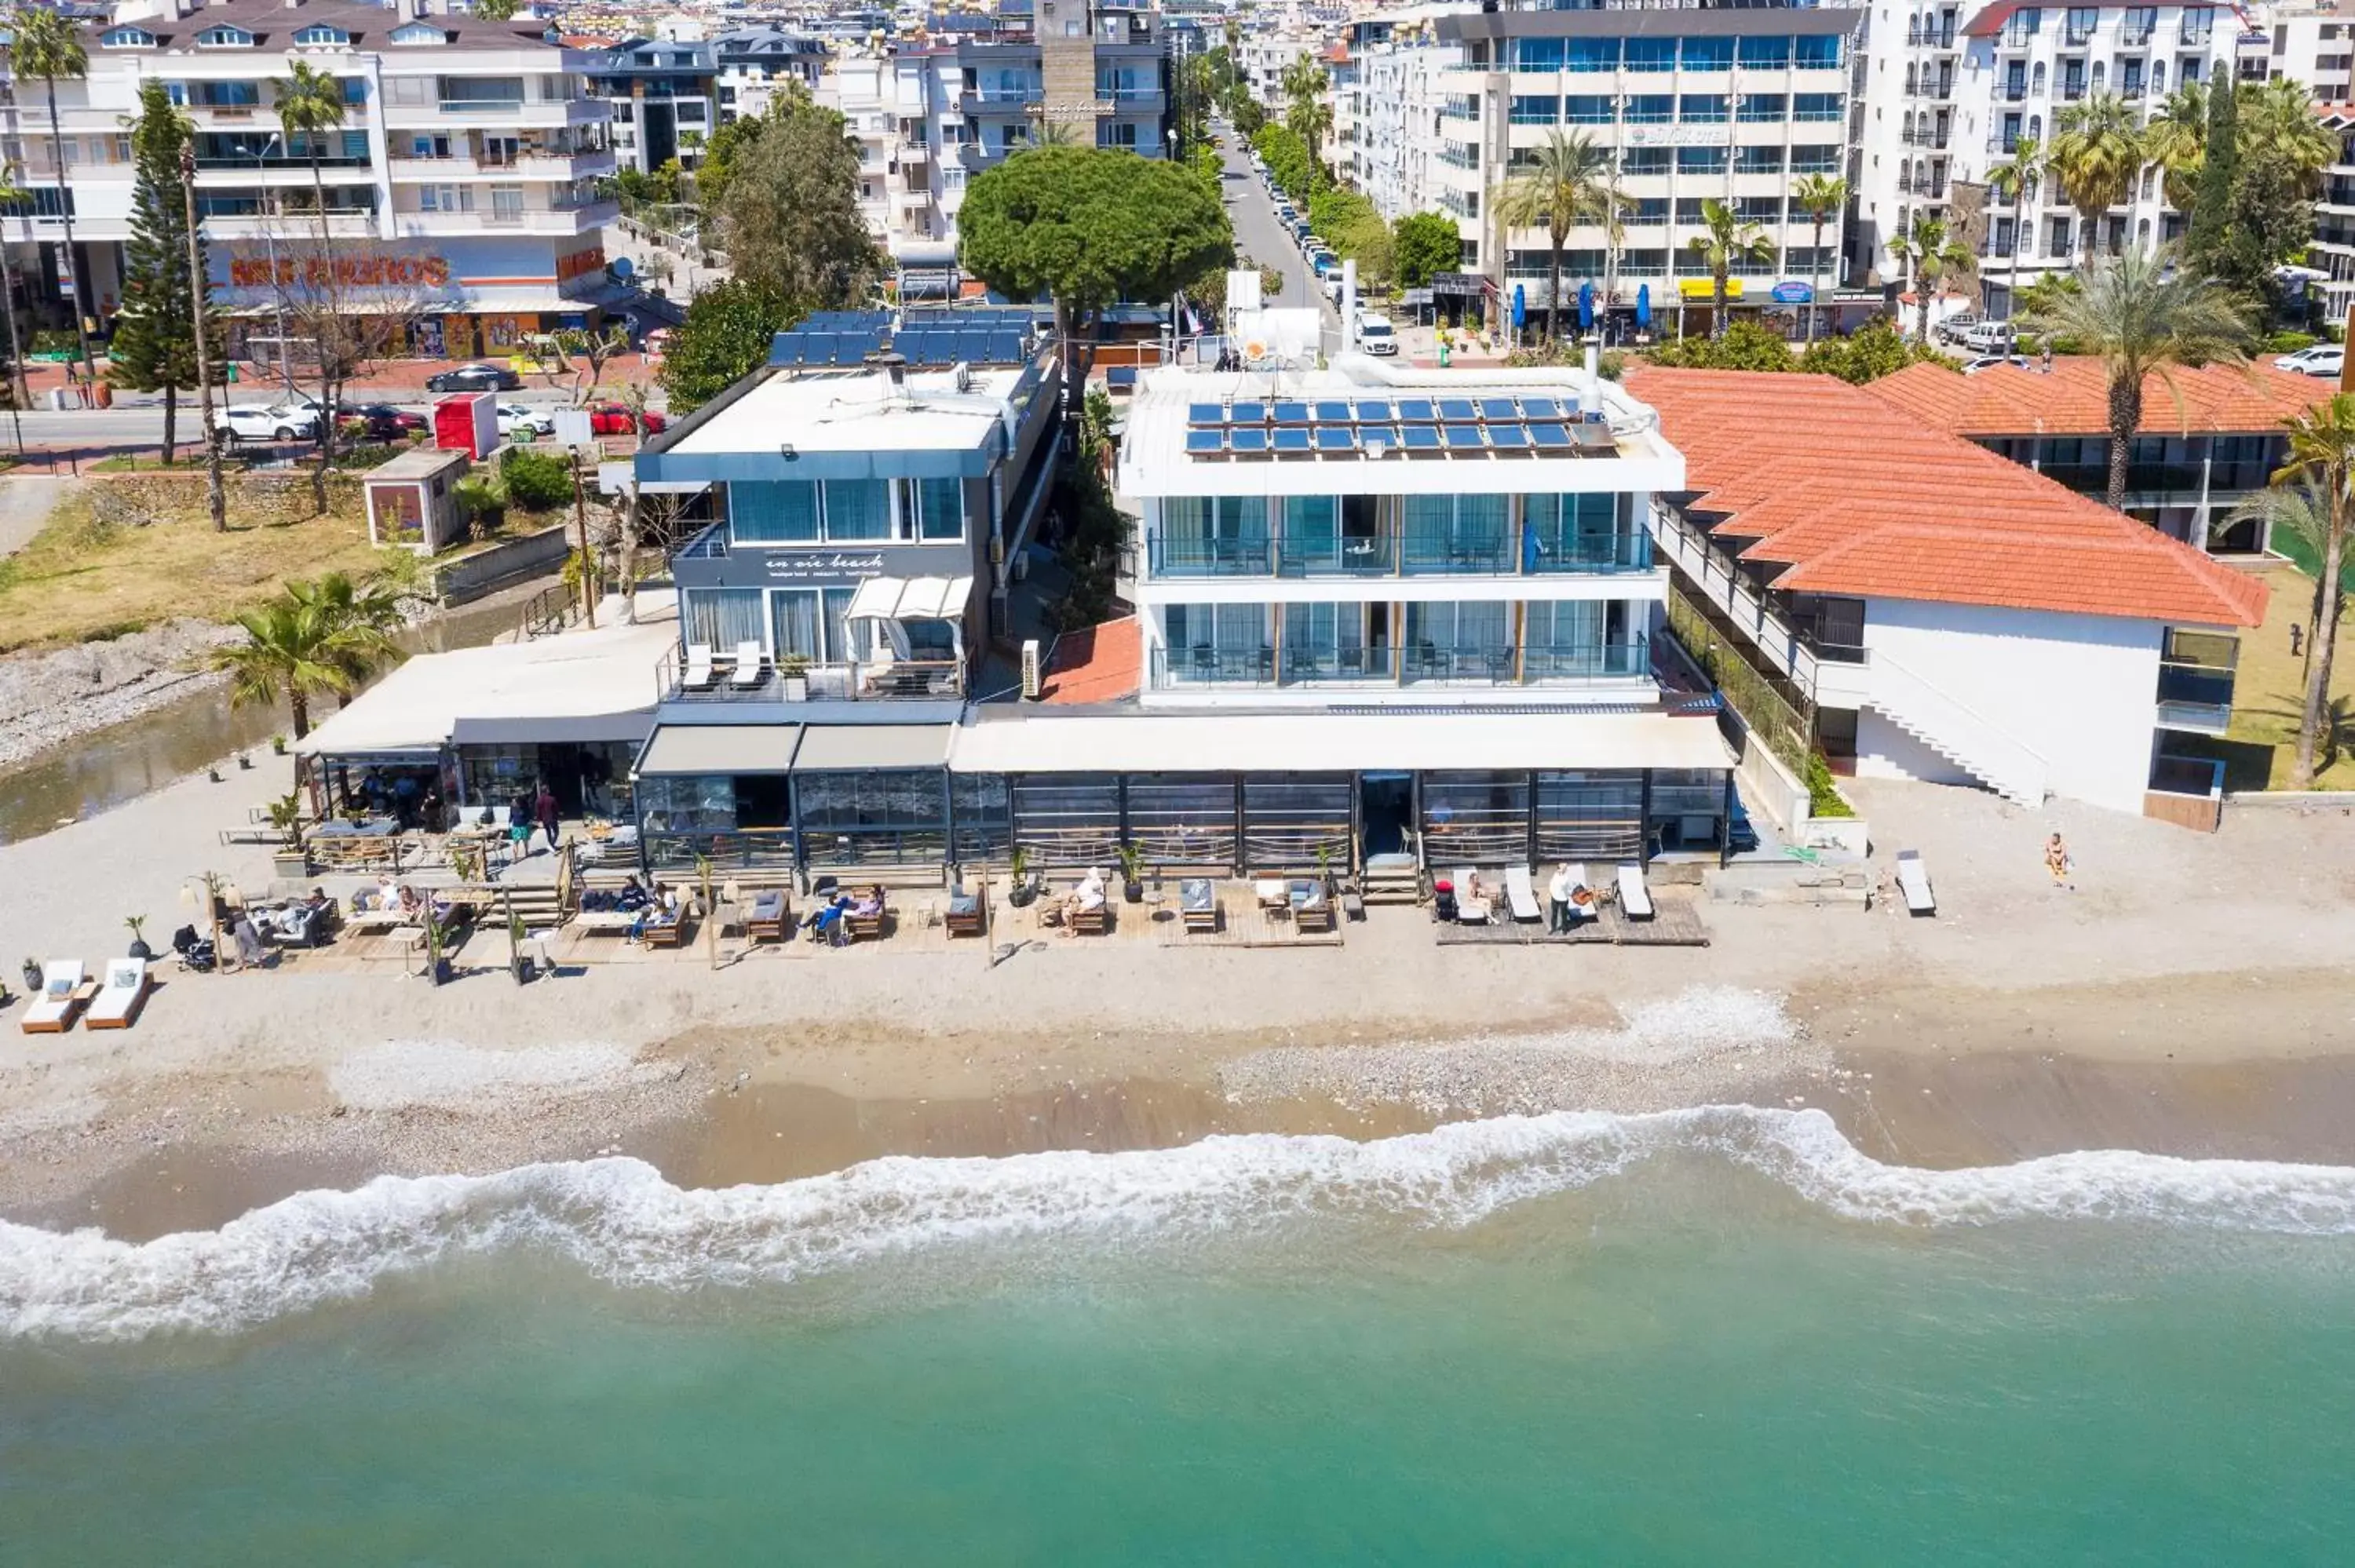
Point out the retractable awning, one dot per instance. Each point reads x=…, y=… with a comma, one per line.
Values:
x=911, y=599
x=844, y=746
x=1312, y=743
x=709, y=749
x=553, y=730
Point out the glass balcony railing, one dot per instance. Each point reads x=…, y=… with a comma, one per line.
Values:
x=1534, y=549
x=1423, y=663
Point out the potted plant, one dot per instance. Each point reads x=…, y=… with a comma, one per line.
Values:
x=290, y=859
x=1132, y=882
x=278, y=745
x=795, y=670
x=32, y=973
x=139, y=947
x=1020, y=886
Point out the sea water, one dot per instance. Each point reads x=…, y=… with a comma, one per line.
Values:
x=1709, y=1337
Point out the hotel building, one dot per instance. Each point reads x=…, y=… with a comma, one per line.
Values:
x=460, y=189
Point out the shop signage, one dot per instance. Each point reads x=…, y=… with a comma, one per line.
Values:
x=1462, y=283
x=1706, y=288
x=351, y=271
x=1677, y=135
x=1791, y=292
x=800, y=565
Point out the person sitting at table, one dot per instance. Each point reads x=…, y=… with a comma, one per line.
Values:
x=1088, y=895
x=824, y=923
x=407, y=902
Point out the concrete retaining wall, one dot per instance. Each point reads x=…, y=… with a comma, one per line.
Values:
x=510, y=561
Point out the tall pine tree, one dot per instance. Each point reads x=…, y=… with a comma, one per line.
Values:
x=154, y=347
x=2208, y=239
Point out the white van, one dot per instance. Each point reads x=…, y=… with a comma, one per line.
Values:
x=1987, y=337
x=1375, y=335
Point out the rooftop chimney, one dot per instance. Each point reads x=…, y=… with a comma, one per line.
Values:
x=891, y=364
x=1590, y=398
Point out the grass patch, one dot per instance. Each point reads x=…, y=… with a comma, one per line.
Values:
x=83, y=577
x=2269, y=694
x=2303, y=558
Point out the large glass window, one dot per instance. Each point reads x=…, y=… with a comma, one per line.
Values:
x=1652, y=54
x=1327, y=642
x=1537, y=54
x=1592, y=55
x=1214, y=642
x=1702, y=109
x=687, y=803
x=1587, y=109
x=1767, y=51
x=1817, y=106
x=772, y=512
x=1210, y=534
x=1530, y=111
x=1708, y=54
x=1762, y=108
x=720, y=618
x=1457, y=533
x=932, y=509
x=1818, y=51
x=1312, y=528
x=1701, y=159
x=1650, y=109
x=811, y=625
x=857, y=508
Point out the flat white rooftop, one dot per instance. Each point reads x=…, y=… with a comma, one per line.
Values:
x=1364, y=427
x=860, y=411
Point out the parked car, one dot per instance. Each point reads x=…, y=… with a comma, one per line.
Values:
x=1325, y=262
x=1375, y=334
x=521, y=422
x=1990, y=361
x=476, y=378
x=613, y=420
x=1951, y=329
x=1987, y=337
x=265, y=422
x=2322, y=359
x=382, y=421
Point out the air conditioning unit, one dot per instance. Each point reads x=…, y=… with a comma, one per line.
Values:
x=1033, y=679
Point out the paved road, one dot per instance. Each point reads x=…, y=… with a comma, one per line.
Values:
x=1259, y=236
x=143, y=422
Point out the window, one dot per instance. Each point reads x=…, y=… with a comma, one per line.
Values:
x=1820, y=52
x=1758, y=209
x=322, y=38
x=1818, y=160
x=1701, y=159
x=354, y=90
x=507, y=203
x=931, y=509
x=1587, y=109
x=1220, y=533
x=1592, y=55
x=445, y=198
x=812, y=624
x=780, y=512
x=1652, y=54
x=1702, y=109
x=1650, y=109
x=1649, y=211
x=1708, y=54
x=722, y=618
x=1537, y=54
x=1767, y=52
x=413, y=33
x=1643, y=161
x=857, y=508
x=224, y=37
x=1816, y=107
x=1762, y=108
x=1758, y=161
x=409, y=89
x=1215, y=641
x=1473, y=626
x=1456, y=532
x=126, y=39
x=1527, y=110
x=1689, y=208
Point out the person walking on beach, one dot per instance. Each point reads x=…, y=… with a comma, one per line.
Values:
x=545, y=808
x=1557, y=901
x=2057, y=862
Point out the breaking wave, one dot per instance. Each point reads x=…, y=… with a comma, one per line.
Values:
x=619, y=1220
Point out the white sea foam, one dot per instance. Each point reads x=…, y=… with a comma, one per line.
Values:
x=621, y=1221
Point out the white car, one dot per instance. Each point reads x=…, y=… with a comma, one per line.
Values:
x=2322, y=359
x=521, y=422
x=1987, y=337
x=266, y=423
x=1375, y=334
x=1990, y=361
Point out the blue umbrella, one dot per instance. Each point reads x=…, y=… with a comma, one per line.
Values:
x=1644, y=307
x=1520, y=307
x=1586, y=307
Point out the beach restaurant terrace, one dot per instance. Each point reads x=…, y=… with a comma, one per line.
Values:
x=1224, y=792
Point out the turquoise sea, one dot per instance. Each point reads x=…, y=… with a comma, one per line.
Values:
x=1718, y=1337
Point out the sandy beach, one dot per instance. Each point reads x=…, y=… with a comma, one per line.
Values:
x=2182, y=999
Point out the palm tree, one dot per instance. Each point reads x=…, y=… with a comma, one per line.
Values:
x=2303, y=511
x=2279, y=126
x=2096, y=151
x=2012, y=181
x=11, y=193
x=310, y=105
x=298, y=646
x=1729, y=239
x=2145, y=317
x=1819, y=196
x=1307, y=112
x=2176, y=139
x=2322, y=449
x=1930, y=253
x=46, y=45
x=1047, y=133
x=366, y=614
x=1568, y=181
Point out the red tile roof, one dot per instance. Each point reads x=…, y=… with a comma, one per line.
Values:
x=1101, y=663
x=2072, y=399
x=1990, y=21
x=1850, y=497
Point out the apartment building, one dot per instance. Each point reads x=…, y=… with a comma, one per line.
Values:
x=753, y=64
x=461, y=188
x=2315, y=46
x=664, y=94
x=1735, y=105
x=901, y=107
x=1951, y=90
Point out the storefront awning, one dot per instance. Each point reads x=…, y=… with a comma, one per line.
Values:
x=708, y=748
x=1325, y=743
x=583, y=730
x=911, y=599
x=832, y=746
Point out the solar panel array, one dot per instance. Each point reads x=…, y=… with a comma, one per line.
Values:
x=926, y=339
x=1491, y=424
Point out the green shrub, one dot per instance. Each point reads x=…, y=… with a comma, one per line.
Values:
x=2289, y=342
x=479, y=503
x=1823, y=795
x=536, y=481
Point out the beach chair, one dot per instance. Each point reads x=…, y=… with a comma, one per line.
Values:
x=857, y=928
x=665, y=933
x=700, y=674
x=1520, y=894
x=63, y=996
x=117, y=1002
x=1120, y=379
x=964, y=915
x=1635, y=898
x=1197, y=902
x=746, y=674
x=1469, y=910
x=1312, y=909
x=767, y=920
x=1913, y=882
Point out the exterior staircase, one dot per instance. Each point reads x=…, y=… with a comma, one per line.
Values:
x=1948, y=726
x=1392, y=879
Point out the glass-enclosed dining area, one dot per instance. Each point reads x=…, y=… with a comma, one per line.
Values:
x=1395, y=536
x=1371, y=643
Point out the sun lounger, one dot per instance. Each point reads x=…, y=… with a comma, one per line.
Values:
x=1913, y=881
x=1520, y=894
x=746, y=673
x=63, y=996
x=1198, y=901
x=665, y=933
x=1635, y=898
x=767, y=920
x=117, y=1002
x=1092, y=920
x=1470, y=910
x=964, y=915
x=1312, y=906
x=701, y=675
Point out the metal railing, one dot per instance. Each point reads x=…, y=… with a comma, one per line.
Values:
x=1537, y=549
x=868, y=680
x=1489, y=664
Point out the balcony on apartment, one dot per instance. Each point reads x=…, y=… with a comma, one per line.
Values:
x=1365, y=536
x=284, y=214
x=1812, y=646
x=507, y=209
x=2196, y=675
x=559, y=154
x=1418, y=663
x=929, y=673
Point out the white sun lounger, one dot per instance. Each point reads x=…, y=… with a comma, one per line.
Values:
x=1913, y=882
x=61, y=1001
x=117, y=1005
x=1635, y=898
x=1520, y=894
x=699, y=675
x=747, y=673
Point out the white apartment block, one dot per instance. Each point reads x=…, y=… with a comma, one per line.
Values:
x=1734, y=105
x=1951, y=90
x=2317, y=46
x=461, y=188
x=899, y=103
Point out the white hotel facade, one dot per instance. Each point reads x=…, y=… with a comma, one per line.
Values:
x=462, y=184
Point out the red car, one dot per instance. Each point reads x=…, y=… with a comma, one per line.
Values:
x=613, y=420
